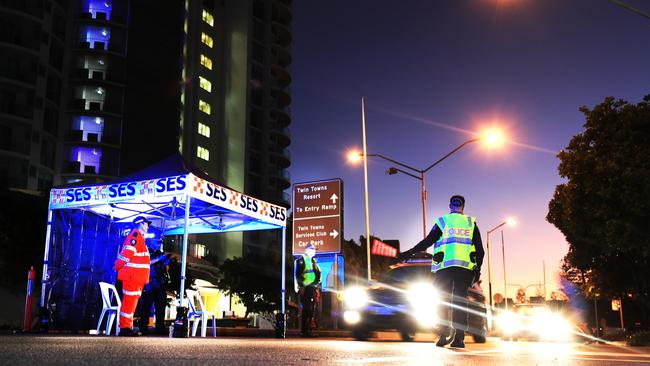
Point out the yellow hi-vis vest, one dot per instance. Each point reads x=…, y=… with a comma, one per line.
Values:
x=308, y=274
x=455, y=242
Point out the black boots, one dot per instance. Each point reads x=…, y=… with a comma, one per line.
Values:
x=445, y=338
x=459, y=340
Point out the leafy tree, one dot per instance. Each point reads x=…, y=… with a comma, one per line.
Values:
x=247, y=278
x=603, y=207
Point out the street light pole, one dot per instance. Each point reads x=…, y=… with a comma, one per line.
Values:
x=365, y=182
x=420, y=175
x=488, y=260
x=505, y=287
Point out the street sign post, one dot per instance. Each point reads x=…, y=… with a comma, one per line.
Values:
x=318, y=216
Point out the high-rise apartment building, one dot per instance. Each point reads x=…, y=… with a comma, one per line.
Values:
x=234, y=121
x=234, y=98
x=32, y=43
x=95, y=90
x=62, y=75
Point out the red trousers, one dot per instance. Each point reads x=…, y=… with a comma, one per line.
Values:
x=130, y=295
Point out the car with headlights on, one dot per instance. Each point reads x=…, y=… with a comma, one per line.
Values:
x=405, y=299
x=535, y=322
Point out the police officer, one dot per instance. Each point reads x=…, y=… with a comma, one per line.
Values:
x=156, y=290
x=307, y=277
x=132, y=266
x=457, y=258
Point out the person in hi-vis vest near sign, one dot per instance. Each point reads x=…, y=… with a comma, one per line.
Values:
x=306, y=279
x=457, y=258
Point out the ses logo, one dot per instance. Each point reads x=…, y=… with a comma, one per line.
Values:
x=245, y=202
x=125, y=189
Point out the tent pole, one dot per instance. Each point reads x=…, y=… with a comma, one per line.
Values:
x=46, y=256
x=281, y=318
x=43, y=315
x=184, y=254
x=284, y=265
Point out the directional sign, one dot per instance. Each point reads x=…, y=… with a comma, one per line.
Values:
x=317, y=216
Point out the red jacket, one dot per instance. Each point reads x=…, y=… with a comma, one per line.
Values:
x=132, y=264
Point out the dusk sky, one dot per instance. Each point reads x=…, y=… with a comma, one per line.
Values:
x=433, y=72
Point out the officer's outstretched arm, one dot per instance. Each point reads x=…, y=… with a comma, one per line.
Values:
x=424, y=244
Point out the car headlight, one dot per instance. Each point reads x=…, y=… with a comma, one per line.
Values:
x=550, y=325
x=355, y=297
x=422, y=296
x=509, y=323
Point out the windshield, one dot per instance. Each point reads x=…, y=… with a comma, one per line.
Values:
x=406, y=274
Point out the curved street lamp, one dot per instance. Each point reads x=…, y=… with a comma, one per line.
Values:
x=510, y=222
x=491, y=138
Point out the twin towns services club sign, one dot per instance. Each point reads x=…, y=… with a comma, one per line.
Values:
x=317, y=216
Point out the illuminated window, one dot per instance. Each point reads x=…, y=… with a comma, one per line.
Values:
x=199, y=250
x=208, y=18
x=206, y=39
x=206, y=61
x=204, y=130
x=204, y=106
x=205, y=84
x=203, y=153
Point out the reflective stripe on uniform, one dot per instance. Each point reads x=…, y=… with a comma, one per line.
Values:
x=130, y=247
x=441, y=223
x=455, y=239
x=126, y=315
x=141, y=254
x=123, y=258
x=132, y=293
x=137, y=265
x=456, y=262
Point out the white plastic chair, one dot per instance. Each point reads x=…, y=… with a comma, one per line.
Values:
x=107, y=290
x=195, y=314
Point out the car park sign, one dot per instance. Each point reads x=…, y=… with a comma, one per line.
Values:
x=318, y=216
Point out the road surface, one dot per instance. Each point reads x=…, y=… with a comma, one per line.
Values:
x=101, y=350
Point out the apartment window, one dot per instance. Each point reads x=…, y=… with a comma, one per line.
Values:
x=205, y=84
x=206, y=61
x=203, y=153
x=204, y=130
x=204, y=106
x=206, y=39
x=208, y=18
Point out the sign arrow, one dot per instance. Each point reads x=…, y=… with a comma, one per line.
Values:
x=334, y=234
x=334, y=197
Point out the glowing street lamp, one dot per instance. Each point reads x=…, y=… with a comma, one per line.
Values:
x=491, y=138
x=510, y=221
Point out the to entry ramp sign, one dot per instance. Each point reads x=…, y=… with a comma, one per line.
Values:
x=318, y=216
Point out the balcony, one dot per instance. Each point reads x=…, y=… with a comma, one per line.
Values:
x=281, y=55
x=281, y=14
x=283, y=135
x=283, y=156
x=281, y=76
x=281, y=116
x=281, y=33
x=280, y=98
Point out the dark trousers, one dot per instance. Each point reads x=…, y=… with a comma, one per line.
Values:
x=452, y=284
x=158, y=296
x=308, y=302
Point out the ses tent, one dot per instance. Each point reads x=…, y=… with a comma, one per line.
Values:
x=87, y=224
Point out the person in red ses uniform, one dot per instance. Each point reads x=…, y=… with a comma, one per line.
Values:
x=132, y=266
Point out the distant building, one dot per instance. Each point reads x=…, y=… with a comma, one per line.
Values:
x=210, y=79
x=62, y=74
